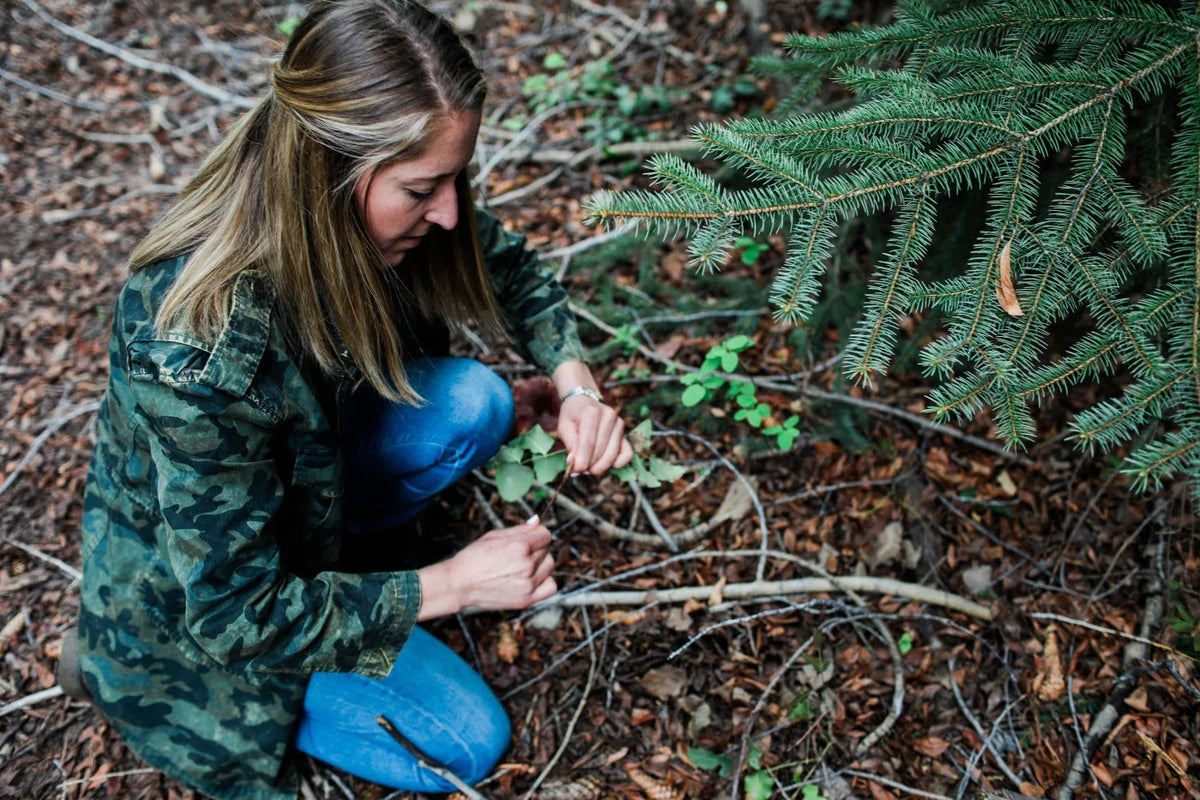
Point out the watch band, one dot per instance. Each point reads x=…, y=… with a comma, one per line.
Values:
x=584, y=390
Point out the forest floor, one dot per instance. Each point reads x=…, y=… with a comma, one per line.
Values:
x=997, y=624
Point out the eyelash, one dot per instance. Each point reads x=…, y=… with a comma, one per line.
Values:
x=414, y=194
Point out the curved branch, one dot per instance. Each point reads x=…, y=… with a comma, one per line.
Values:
x=764, y=589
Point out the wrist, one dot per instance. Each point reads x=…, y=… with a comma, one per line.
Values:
x=585, y=391
x=439, y=593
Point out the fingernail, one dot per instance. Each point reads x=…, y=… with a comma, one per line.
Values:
x=532, y=520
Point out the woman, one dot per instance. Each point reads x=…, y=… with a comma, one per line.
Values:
x=281, y=339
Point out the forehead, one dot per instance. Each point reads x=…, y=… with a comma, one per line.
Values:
x=451, y=146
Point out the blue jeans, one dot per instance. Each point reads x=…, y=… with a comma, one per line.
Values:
x=398, y=458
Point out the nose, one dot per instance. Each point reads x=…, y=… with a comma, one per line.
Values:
x=443, y=210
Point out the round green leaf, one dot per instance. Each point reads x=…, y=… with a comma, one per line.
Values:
x=513, y=481
x=694, y=395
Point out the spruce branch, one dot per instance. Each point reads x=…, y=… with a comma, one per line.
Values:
x=1077, y=123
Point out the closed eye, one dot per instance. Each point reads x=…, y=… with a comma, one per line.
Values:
x=416, y=195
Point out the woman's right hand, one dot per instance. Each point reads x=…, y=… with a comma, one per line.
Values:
x=507, y=568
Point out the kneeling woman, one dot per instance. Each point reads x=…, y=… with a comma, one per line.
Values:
x=280, y=390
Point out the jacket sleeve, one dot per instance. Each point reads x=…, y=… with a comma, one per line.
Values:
x=537, y=313
x=220, y=491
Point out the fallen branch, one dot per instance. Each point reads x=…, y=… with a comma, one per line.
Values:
x=50, y=93
x=587, y=690
x=133, y=59
x=1135, y=651
x=755, y=589
x=32, y=700
x=442, y=771
x=70, y=571
x=985, y=738
x=49, y=431
x=57, y=215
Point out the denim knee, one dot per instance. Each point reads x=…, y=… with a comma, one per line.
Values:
x=481, y=412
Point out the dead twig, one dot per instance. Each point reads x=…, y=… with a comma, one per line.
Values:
x=51, y=428
x=58, y=97
x=31, y=700
x=57, y=215
x=763, y=589
x=1135, y=651
x=133, y=59
x=441, y=770
x=985, y=738
x=66, y=568
x=587, y=691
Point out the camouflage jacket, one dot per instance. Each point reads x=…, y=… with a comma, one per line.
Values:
x=212, y=518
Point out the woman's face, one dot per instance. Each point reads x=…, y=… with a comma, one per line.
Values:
x=402, y=201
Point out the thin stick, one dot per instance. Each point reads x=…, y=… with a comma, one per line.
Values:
x=587, y=690
x=70, y=571
x=985, y=738
x=134, y=59
x=1110, y=631
x=757, y=589
x=31, y=700
x=51, y=427
x=441, y=770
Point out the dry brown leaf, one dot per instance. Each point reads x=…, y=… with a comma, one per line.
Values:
x=664, y=682
x=507, y=649
x=653, y=787
x=1049, y=684
x=1005, y=293
x=718, y=593
x=738, y=501
x=932, y=746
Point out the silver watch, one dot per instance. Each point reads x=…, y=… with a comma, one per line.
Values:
x=584, y=390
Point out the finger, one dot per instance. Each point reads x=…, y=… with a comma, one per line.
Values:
x=625, y=455
x=607, y=457
x=543, y=568
x=586, y=443
x=547, y=589
x=537, y=538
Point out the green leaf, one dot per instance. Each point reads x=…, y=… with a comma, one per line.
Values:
x=666, y=471
x=905, y=643
x=759, y=785
x=288, y=25
x=754, y=756
x=538, y=441
x=513, y=481
x=810, y=792
x=707, y=759
x=738, y=343
x=786, y=439
x=729, y=362
x=625, y=474
x=511, y=453
x=801, y=709
x=747, y=400
x=694, y=395
x=554, y=60
x=644, y=475
x=547, y=468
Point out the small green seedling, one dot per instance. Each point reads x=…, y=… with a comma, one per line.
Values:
x=531, y=458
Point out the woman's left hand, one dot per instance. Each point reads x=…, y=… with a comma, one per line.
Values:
x=591, y=430
x=594, y=436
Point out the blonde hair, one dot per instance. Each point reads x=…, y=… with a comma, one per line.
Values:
x=362, y=83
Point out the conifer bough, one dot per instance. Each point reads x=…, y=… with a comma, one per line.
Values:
x=1077, y=123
